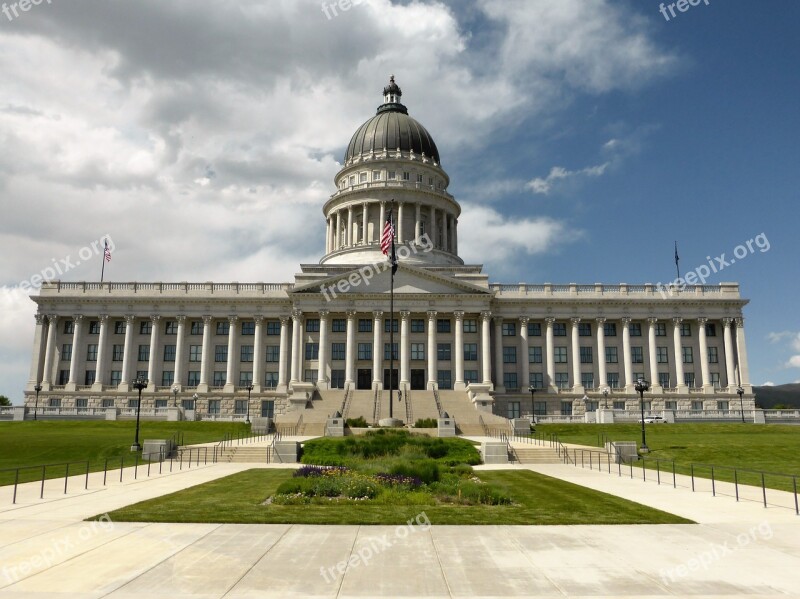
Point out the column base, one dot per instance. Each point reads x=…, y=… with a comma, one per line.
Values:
x=656, y=389
x=97, y=387
x=709, y=389
x=229, y=388
x=459, y=386
x=256, y=388
x=71, y=387
x=46, y=386
x=579, y=389
x=201, y=388
x=683, y=389
x=499, y=389
x=630, y=388
x=124, y=387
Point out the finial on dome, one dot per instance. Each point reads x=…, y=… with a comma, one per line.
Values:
x=391, y=98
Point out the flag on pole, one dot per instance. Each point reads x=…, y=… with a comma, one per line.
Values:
x=387, y=242
x=677, y=267
x=107, y=252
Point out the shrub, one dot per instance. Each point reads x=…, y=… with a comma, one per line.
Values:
x=426, y=423
x=357, y=422
x=425, y=470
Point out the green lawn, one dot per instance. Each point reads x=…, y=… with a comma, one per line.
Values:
x=48, y=442
x=772, y=448
x=539, y=499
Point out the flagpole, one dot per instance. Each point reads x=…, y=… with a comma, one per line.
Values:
x=677, y=268
x=392, y=259
x=103, y=259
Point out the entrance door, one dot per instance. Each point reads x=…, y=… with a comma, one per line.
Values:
x=364, y=378
x=418, y=379
x=386, y=379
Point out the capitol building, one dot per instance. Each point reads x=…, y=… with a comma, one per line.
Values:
x=472, y=346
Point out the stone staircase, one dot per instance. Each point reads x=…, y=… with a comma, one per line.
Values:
x=423, y=405
x=363, y=404
x=536, y=455
x=458, y=406
x=246, y=454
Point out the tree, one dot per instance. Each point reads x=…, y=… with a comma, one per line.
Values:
x=4, y=401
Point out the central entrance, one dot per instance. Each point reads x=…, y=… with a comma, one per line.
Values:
x=386, y=379
x=364, y=378
x=418, y=379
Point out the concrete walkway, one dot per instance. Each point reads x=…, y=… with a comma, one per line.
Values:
x=47, y=550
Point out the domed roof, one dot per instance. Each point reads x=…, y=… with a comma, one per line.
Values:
x=392, y=128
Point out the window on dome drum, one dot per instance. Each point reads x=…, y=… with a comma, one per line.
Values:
x=470, y=352
x=509, y=329
x=637, y=355
x=610, y=329
x=117, y=352
x=663, y=380
x=169, y=353
x=711, y=330
x=430, y=181
x=395, y=352
x=66, y=351
x=246, y=353
x=312, y=351
x=223, y=327
x=337, y=351
x=560, y=355
x=364, y=351
x=196, y=328
x=417, y=325
x=686, y=329
x=364, y=325
x=534, y=329
x=195, y=353
x=443, y=352
x=312, y=325
x=688, y=358
x=713, y=355
x=509, y=355
x=273, y=353
x=69, y=327
x=470, y=376
x=587, y=380
x=443, y=325
x=145, y=327
x=91, y=352
x=470, y=325
x=362, y=177
x=535, y=355
x=559, y=329
x=661, y=329
x=417, y=351
x=221, y=353
x=338, y=325
x=144, y=353
x=273, y=327
x=586, y=355
x=94, y=327
x=612, y=380
x=248, y=327
x=406, y=176
x=219, y=379
x=584, y=329
x=562, y=380
x=510, y=380
x=536, y=380
x=352, y=180
x=376, y=175
x=167, y=377
x=420, y=178
x=611, y=355
x=119, y=327
x=635, y=329
x=392, y=175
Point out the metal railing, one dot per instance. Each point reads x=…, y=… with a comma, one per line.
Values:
x=348, y=396
x=438, y=401
x=409, y=408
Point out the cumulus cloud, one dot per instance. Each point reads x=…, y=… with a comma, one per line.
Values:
x=543, y=185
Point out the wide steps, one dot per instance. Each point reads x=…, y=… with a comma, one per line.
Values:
x=363, y=404
x=247, y=455
x=537, y=455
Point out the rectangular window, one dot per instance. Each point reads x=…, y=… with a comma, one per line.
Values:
x=119, y=327
x=312, y=351
x=534, y=329
x=559, y=329
x=610, y=329
x=219, y=379
x=364, y=351
x=509, y=355
x=270, y=380
x=392, y=322
x=443, y=352
x=94, y=327
x=513, y=409
x=670, y=404
x=619, y=405
x=661, y=329
x=392, y=175
x=245, y=379
x=442, y=325
x=89, y=377
x=246, y=353
x=566, y=408
x=167, y=378
x=536, y=380
x=584, y=329
x=723, y=405
x=362, y=177
x=337, y=379
x=591, y=406
x=535, y=355
x=337, y=351
x=248, y=327
x=196, y=327
x=145, y=327
x=540, y=408
x=444, y=378
x=586, y=355
x=223, y=327
x=107, y=403
x=688, y=358
x=635, y=329
x=213, y=406
x=562, y=380
x=395, y=353
x=171, y=327
x=195, y=353
x=688, y=379
x=713, y=355
x=193, y=378
x=169, y=353
x=470, y=352
x=312, y=325
x=376, y=175
x=417, y=351
x=637, y=355
x=144, y=353
x=663, y=380
x=510, y=380
x=117, y=353
x=470, y=376
x=697, y=406
x=116, y=377
x=406, y=176
x=220, y=353
x=611, y=355
x=66, y=351
x=273, y=327
x=470, y=325
x=662, y=355
x=240, y=407
x=509, y=329
x=612, y=380
x=69, y=327
x=560, y=355
x=420, y=179
x=715, y=379
x=417, y=325
x=188, y=404
x=711, y=330
x=587, y=380
x=686, y=329
x=91, y=352
x=364, y=325
x=273, y=353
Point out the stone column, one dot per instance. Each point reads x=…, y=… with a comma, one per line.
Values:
x=258, y=354
x=283, y=355
x=76, y=348
x=377, y=343
x=455, y=236
x=418, y=223
x=701, y=334
x=744, y=369
x=524, y=351
x=486, y=352
x=626, y=355
x=452, y=242
x=730, y=358
x=350, y=349
x=382, y=220
x=551, y=357
x=445, y=243
x=324, y=350
x=102, y=350
x=602, y=371
x=458, y=351
x=349, y=234
x=405, y=374
x=400, y=216
x=337, y=235
x=127, y=353
x=38, y=352
x=152, y=362
x=230, y=373
x=676, y=340
x=432, y=356
x=655, y=387
x=577, y=384
x=433, y=227
x=50, y=351
x=365, y=223
x=297, y=342
x=498, y=355
x=205, y=356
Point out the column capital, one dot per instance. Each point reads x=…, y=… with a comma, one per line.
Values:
x=103, y=318
x=405, y=314
x=601, y=321
x=432, y=314
x=232, y=319
x=377, y=314
x=284, y=319
x=524, y=320
x=351, y=314
x=739, y=320
x=180, y=318
x=78, y=317
x=626, y=320
x=652, y=320
x=258, y=318
x=39, y=318
x=207, y=318
x=727, y=322
x=549, y=321
x=297, y=314
x=486, y=315
x=154, y=318
x=575, y=320
x=323, y=314
x=459, y=314
x=677, y=320
x=52, y=319
x=702, y=321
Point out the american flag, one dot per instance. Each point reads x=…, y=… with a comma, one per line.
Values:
x=107, y=252
x=387, y=242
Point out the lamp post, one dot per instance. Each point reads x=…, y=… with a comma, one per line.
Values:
x=740, y=391
x=37, y=388
x=249, y=390
x=642, y=386
x=605, y=398
x=175, y=396
x=195, y=397
x=532, y=389
x=139, y=385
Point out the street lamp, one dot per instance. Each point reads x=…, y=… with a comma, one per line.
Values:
x=249, y=390
x=605, y=398
x=642, y=386
x=37, y=388
x=175, y=396
x=532, y=389
x=740, y=391
x=139, y=385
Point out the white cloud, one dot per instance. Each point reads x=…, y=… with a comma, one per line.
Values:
x=541, y=185
x=768, y=384
x=794, y=362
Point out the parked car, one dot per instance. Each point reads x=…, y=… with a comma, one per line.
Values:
x=652, y=420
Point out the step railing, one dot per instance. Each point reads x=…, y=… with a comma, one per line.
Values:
x=348, y=396
x=439, y=409
x=409, y=408
x=376, y=406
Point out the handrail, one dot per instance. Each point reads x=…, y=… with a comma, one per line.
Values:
x=346, y=401
x=438, y=402
x=409, y=409
x=376, y=405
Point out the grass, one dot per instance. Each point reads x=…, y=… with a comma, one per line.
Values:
x=49, y=442
x=771, y=448
x=538, y=500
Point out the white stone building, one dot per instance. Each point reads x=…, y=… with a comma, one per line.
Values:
x=204, y=344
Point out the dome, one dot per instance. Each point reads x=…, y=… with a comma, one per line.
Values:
x=391, y=128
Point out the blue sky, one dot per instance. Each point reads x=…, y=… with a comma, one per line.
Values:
x=582, y=136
